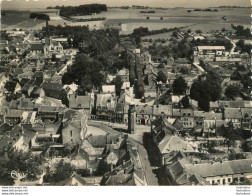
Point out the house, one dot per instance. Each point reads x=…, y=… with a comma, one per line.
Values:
x=246, y=118
x=37, y=48
x=162, y=110
x=38, y=77
x=23, y=138
x=74, y=180
x=26, y=104
x=50, y=112
x=23, y=81
x=78, y=102
x=161, y=128
x=12, y=87
x=224, y=172
x=105, y=106
x=3, y=129
x=70, y=89
x=74, y=130
x=55, y=47
x=143, y=114
x=127, y=89
x=37, y=92
x=150, y=93
x=121, y=113
x=187, y=118
x=128, y=171
x=176, y=174
x=13, y=117
x=174, y=143
x=123, y=74
x=27, y=89
x=108, y=89
x=53, y=90
x=234, y=115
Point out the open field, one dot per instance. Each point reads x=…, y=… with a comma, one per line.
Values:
x=132, y=18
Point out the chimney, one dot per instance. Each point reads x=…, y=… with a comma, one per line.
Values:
x=111, y=167
x=123, y=162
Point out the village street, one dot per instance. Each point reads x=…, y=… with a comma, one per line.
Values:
x=135, y=139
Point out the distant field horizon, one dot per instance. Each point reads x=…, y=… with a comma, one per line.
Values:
x=130, y=19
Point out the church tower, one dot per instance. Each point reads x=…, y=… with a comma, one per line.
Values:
x=131, y=119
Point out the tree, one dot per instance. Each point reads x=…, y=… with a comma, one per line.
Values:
x=22, y=162
x=232, y=92
x=118, y=85
x=185, y=102
x=232, y=135
x=146, y=80
x=246, y=81
x=54, y=57
x=184, y=70
x=161, y=76
x=63, y=172
x=205, y=89
x=102, y=168
x=179, y=86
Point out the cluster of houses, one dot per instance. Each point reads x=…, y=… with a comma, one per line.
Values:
x=182, y=162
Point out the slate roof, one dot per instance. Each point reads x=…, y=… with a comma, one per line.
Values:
x=231, y=104
x=14, y=113
x=52, y=86
x=37, y=46
x=174, y=143
x=10, y=86
x=38, y=74
x=4, y=127
x=146, y=110
x=246, y=112
x=159, y=109
x=232, y=113
x=76, y=101
x=224, y=168
x=24, y=81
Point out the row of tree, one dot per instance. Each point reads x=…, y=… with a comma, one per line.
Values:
x=81, y=10
x=40, y=16
x=241, y=31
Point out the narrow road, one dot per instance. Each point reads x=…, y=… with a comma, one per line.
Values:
x=149, y=175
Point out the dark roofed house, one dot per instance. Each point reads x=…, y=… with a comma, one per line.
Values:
x=74, y=180
x=38, y=77
x=234, y=115
x=26, y=104
x=143, y=114
x=53, y=90
x=37, y=48
x=80, y=102
x=23, y=81
x=13, y=117
x=27, y=89
x=4, y=128
x=12, y=86
x=246, y=118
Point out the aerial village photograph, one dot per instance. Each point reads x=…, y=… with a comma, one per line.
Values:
x=125, y=93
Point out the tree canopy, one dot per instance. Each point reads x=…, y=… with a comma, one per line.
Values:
x=205, y=89
x=232, y=92
x=179, y=86
x=161, y=76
